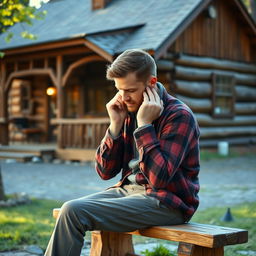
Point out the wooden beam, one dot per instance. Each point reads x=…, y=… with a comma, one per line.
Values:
x=213, y=63
x=102, y=120
x=243, y=108
x=197, y=105
x=75, y=50
x=193, y=89
x=205, y=120
x=38, y=71
x=99, y=50
x=245, y=93
x=222, y=132
x=78, y=63
x=76, y=154
x=195, y=74
x=60, y=96
x=44, y=47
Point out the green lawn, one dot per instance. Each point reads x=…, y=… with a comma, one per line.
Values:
x=27, y=224
x=33, y=224
x=244, y=217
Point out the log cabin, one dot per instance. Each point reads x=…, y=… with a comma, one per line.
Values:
x=53, y=89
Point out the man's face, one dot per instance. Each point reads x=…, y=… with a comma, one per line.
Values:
x=131, y=91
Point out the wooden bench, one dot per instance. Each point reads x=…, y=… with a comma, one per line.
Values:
x=194, y=239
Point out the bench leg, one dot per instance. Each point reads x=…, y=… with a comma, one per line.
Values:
x=195, y=250
x=111, y=244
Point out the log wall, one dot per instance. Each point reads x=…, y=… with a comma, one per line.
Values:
x=191, y=82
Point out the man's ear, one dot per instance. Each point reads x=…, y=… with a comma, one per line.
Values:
x=152, y=81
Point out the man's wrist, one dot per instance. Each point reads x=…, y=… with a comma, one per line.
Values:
x=114, y=130
x=140, y=124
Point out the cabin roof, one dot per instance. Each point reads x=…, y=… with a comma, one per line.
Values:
x=120, y=25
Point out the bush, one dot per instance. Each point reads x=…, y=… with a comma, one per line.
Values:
x=160, y=250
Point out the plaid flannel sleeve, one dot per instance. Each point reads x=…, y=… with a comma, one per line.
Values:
x=108, y=156
x=161, y=156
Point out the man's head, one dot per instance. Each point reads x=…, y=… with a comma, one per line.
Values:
x=132, y=72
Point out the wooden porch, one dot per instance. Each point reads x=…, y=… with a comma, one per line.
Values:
x=77, y=139
x=25, y=152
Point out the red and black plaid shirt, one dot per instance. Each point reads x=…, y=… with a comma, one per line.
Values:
x=168, y=152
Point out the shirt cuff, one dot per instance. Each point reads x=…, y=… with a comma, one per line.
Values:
x=111, y=136
x=142, y=127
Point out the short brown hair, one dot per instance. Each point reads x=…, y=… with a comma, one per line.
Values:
x=132, y=61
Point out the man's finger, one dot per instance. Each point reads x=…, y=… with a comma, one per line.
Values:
x=150, y=95
x=145, y=97
x=157, y=98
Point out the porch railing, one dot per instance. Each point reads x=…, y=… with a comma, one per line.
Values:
x=84, y=133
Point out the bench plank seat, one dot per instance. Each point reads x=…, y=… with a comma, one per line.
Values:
x=200, y=234
x=194, y=239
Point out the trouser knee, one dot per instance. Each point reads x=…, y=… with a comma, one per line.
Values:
x=70, y=210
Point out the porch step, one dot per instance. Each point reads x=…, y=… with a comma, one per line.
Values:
x=20, y=157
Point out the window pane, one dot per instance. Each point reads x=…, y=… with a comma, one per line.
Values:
x=223, y=105
x=223, y=95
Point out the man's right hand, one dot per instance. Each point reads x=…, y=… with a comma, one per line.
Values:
x=117, y=112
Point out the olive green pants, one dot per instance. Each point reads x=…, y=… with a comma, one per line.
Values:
x=119, y=209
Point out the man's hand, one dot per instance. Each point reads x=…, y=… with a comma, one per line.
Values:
x=151, y=107
x=117, y=112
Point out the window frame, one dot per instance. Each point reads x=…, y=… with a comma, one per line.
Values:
x=28, y=110
x=216, y=94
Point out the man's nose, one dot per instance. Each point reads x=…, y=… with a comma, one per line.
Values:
x=125, y=96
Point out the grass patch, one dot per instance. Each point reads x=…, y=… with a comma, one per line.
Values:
x=33, y=224
x=27, y=224
x=244, y=218
x=209, y=154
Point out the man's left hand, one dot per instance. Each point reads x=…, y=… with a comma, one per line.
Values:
x=151, y=107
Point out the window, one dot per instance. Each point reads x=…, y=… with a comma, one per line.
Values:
x=25, y=98
x=223, y=95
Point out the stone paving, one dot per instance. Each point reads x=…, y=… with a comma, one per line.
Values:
x=224, y=182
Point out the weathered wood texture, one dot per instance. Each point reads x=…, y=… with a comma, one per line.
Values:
x=192, y=83
x=223, y=37
x=195, y=239
x=82, y=133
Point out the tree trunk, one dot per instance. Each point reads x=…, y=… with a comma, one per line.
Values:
x=2, y=195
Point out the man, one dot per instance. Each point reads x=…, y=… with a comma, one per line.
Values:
x=153, y=141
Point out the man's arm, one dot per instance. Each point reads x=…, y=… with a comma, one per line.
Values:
x=111, y=150
x=161, y=158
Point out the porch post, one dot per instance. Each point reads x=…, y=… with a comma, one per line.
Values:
x=4, y=133
x=60, y=99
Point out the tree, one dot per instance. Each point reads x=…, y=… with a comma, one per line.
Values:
x=18, y=12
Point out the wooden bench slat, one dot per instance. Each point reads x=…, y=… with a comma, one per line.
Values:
x=205, y=235
x=199, y=234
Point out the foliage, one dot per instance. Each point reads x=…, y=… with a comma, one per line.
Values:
x=159, y=250
x=18, y=12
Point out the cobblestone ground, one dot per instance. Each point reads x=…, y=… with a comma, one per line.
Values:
x=224, y=182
